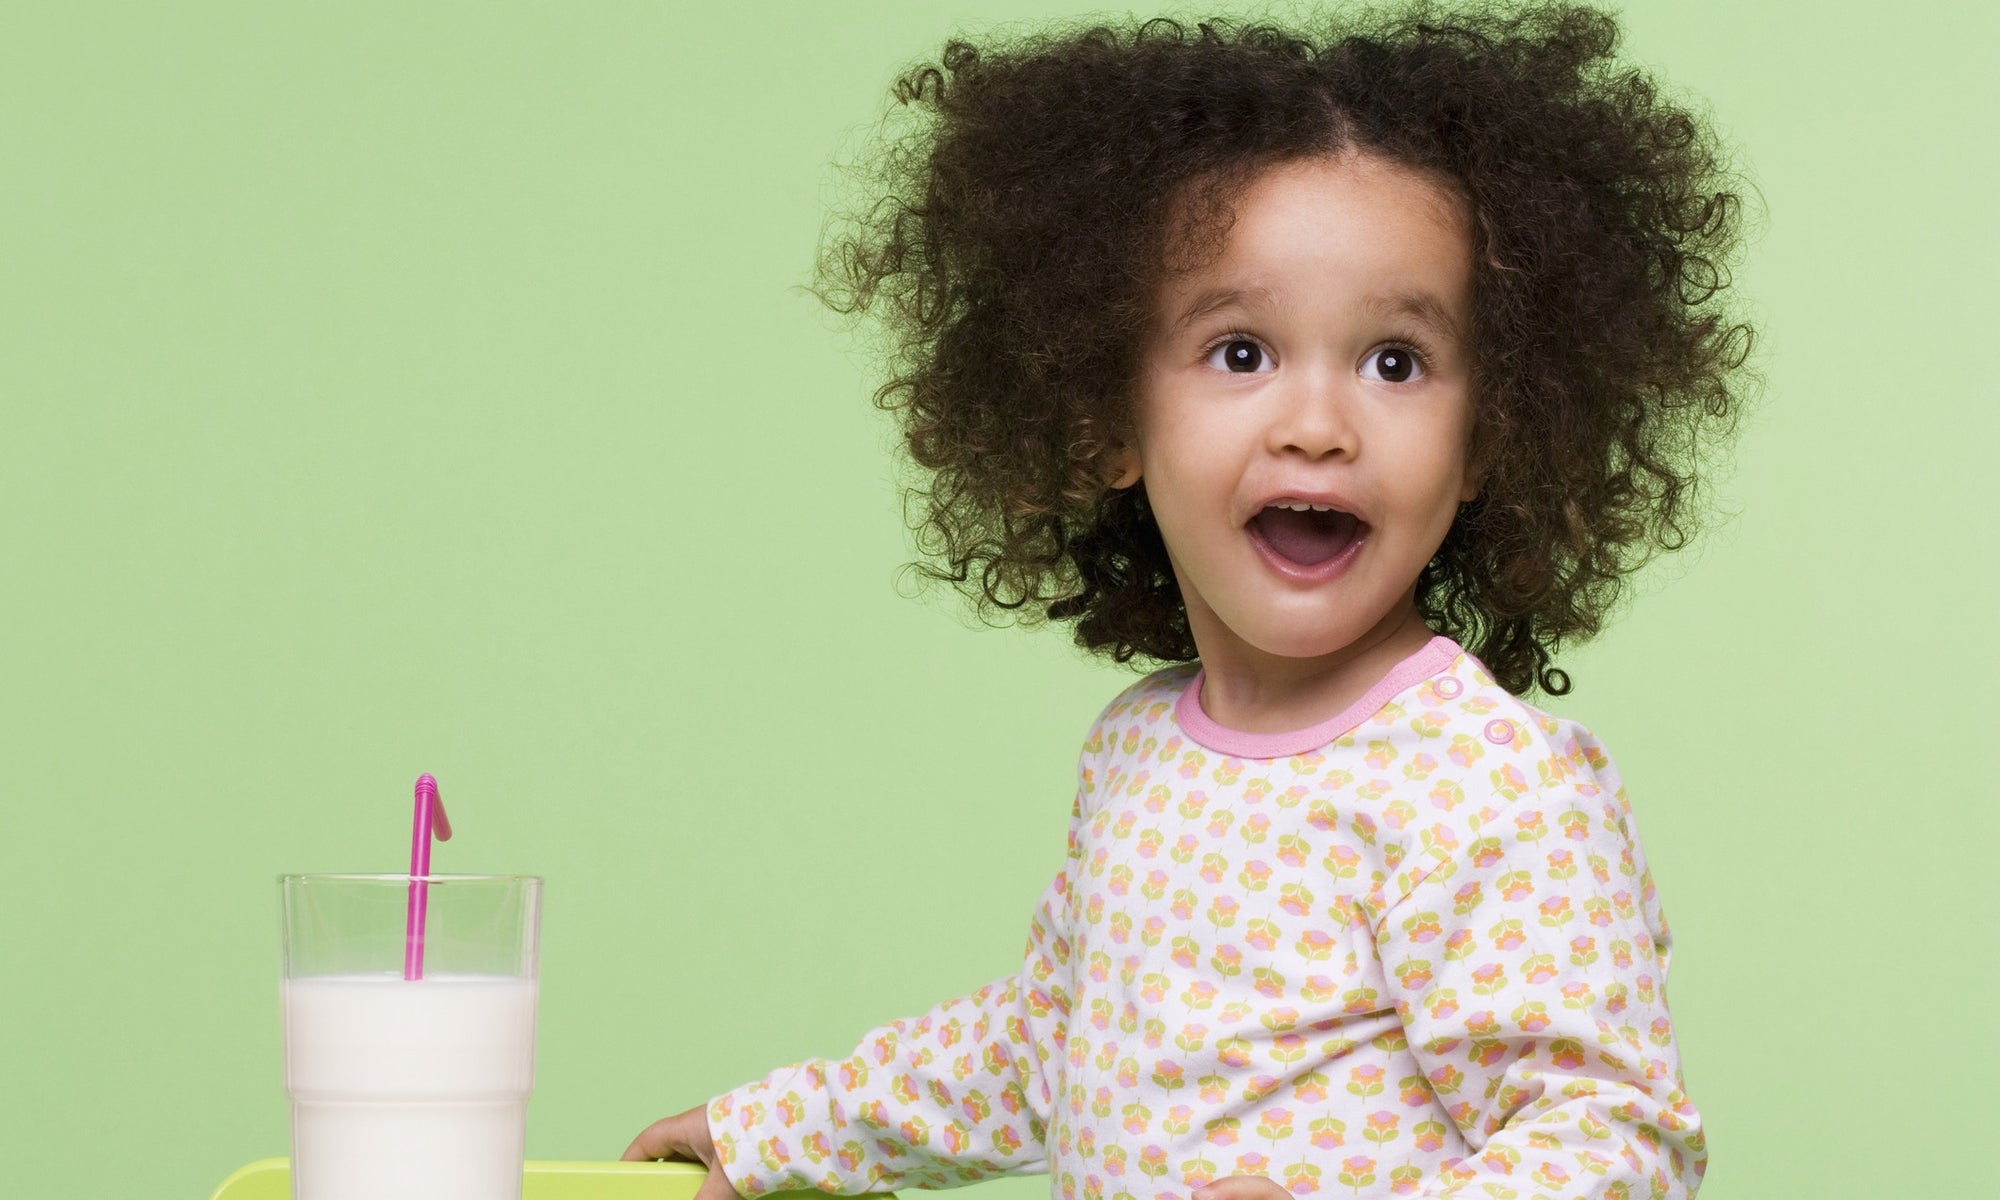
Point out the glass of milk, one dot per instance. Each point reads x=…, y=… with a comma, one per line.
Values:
x=405, y=1088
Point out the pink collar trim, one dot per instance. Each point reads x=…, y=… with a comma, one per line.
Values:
x=1432, y=659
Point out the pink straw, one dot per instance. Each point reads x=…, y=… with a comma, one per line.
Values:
x=429, y=819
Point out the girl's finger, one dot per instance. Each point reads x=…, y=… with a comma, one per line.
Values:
x=1241, y=1187
x=661, y=1139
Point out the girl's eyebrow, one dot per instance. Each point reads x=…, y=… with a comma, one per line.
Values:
x=1422, y=307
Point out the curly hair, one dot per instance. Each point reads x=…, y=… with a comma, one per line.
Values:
x=1018, y=235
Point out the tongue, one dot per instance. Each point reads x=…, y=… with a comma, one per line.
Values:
x=1306, y=537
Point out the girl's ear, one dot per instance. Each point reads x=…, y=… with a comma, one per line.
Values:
x=1125, y=464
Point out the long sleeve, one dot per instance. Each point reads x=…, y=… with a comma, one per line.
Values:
x=1529, y=969
x=959, y=1094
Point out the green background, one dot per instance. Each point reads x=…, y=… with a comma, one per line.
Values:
x=389, y=388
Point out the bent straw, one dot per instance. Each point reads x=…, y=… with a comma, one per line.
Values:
x=429, y=819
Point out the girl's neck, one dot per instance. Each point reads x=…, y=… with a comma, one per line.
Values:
x=1250, y=691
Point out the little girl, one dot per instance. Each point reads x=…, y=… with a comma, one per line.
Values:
x=1350, y=376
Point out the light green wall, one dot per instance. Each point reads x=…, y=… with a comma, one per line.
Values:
x=401, y=387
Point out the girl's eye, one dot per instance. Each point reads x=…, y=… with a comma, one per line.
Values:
x=1240, y=355
x=1398, y=364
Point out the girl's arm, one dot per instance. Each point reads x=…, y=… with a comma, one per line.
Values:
x=954, y=1096
x=1530, y=973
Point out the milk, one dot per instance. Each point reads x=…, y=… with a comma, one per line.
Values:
x=402, y=1090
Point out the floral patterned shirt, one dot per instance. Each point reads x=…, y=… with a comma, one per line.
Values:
x=1411, y=951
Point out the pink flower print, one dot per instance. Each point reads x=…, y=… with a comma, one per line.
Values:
x=1167, y=1075
x=1120, y=882
x=1100, y=1103
x=1482, y=1024
x=1155, y=885
x=1289, y=1048
x=1429, y=1135
x=1577, y=994
x=1199, y=994
x=1228, y=771
x=1341, y=862
x=1328, y=1133
x=1380, y=754
x=1323, y=816
x=1550, y=1174
x=1566, y=1053
x=1334, y=780
x=1539, y=968
x=1114, y=1161
x=1398, y=813
x=1255, y=876
x=1622, y=901
x=1446, y=795
x=1100, y=1014
x=1006, y=1141
x=1422, y=928
x=1268, y=982
x=1660, y=1032
x=1227, y=960
x=1274, y=1123
x=1562, y=864
x=1170, y=749
x=1614, y=998
x=1302, y=1179
x=853, y=1074
x=1529, y=826
x=1466, y=898
x=916, y=1132
x=1516, y=886
x=1156, y=799
x=1357, y=1172
x=817, y=1147
x=1254, y=828
x=1191, y=764
x=1261, y=934
x=1153, y=1161
x=1192, y=804
x=1212, y=868
x=1122, y=827
x=1100, y=966
x=955, y=1137
x=1149, y=843
x=1501, y=1160
x=1464, y=750
x=1251, y=1163
x=1192, y=1037
x=1507, y=934
x=1486, y=851
x=1153, y=988
x=1219, y=822
x=1098, y=859
x=1374, y=789
x=1381, y=1127
x=1183, y=904
x=1598, y=870
x=1294, y=898
x=995, y=1058
x=904, y=1089
x=1233, y=1052
x=1533, y=1017
x=1310, y=1088
x=1413, y=974
x=772, y=1151
x=1621, y=953
x=1138, y=1118
x=1121, y=927
x=1093, y=909
x=1197, y=1172
x=1488, y=978
x=1575, y=826
x=1555, y=911
x=1363, y=827
x=1177, y=1120
x=1317, y=988
x=1365, y=1080
x=1442, y=1003
x=1405, y=1180
x=1292, y=850
x=1222, y=911
x=1214, y=1089
x=1156, y=1032
x=1086, y=1141
x=1222, y=1131
x=1414, y=1091
x=1184, y=847
x=1186, y=952
x=1315, y=944
x=1420, y=766
x=1458, y=945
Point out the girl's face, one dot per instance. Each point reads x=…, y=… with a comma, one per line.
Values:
x=1318, y=363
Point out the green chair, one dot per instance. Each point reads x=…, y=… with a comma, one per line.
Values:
x=271, y=1179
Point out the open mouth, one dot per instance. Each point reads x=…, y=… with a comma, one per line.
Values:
x=1307, y=534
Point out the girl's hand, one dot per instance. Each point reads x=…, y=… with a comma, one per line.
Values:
x=684, y=1138
x=1237, y=1187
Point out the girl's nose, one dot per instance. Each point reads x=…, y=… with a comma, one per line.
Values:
x=1314, y=416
